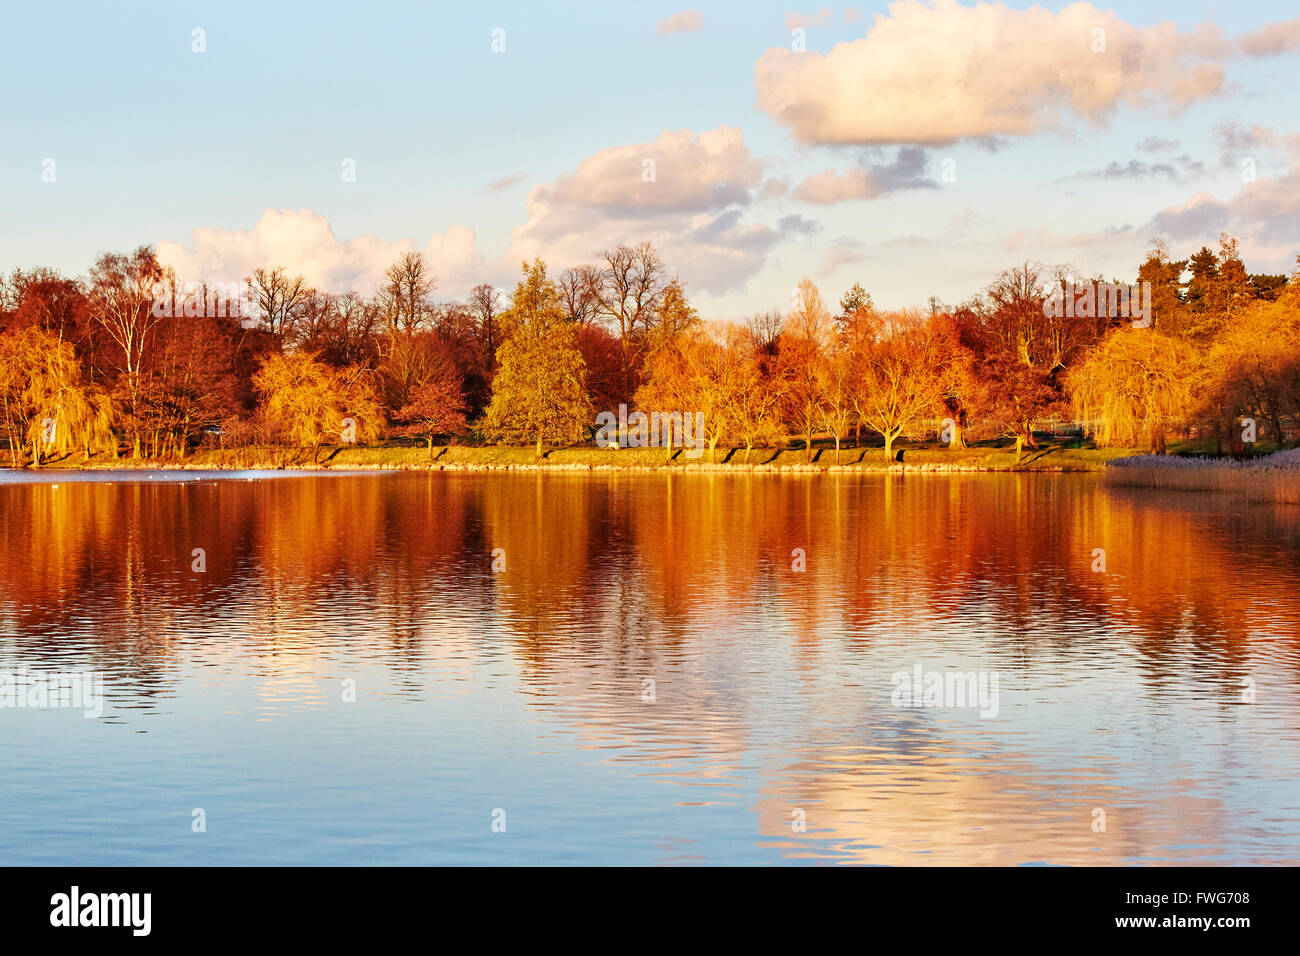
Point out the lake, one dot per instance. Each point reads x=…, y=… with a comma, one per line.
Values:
x=514, y=668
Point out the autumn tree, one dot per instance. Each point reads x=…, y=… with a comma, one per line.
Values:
x=1021, y=352
x=437, y=405
x=1252, y=368
x=409, y=359
x=673, y=350
x=856, y=321
x=47, y=409
x=898, y=380
x=802, y=353
x=1134, y=387
x=122, y=293
x=307, y=403
x=959, y=341
x=603, y=357
x=53, y=302
x=856, y=308
x=1165, y=275
x=764, y=330
x=189, y=383
x=837, y=373
x=703, y=370
x=540, y=390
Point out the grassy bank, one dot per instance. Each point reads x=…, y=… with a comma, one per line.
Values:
x=1053, y=456
x=1273, y=477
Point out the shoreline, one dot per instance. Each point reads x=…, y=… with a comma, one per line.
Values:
x=1053, y=459
x=1276, y=482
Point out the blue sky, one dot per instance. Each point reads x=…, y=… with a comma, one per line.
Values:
x=152, y=141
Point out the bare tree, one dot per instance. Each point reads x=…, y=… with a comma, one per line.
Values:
x=764, y=331
x=632, y=280
x=406, y=294
x=485, y=304
x=122, y=300
x=278, y=297
x=580, y=289
x=1016, y=307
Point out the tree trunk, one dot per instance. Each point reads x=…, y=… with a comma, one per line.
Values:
x=431, y=446
x=889, y=444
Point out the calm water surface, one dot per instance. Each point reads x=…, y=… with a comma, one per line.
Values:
x=526, y=690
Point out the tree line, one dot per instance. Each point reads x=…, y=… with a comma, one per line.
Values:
x=94, y=365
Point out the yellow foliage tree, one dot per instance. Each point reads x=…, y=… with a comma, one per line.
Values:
x=46, y=407
x=306, y=402
x=1253, y=367
x=540, y=390
x=1134, y=387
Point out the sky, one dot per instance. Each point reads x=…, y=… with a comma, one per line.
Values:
x=915, y=147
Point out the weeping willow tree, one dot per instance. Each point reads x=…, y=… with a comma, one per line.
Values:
x=48, y=412
x=1134, y=387
x=307, y=403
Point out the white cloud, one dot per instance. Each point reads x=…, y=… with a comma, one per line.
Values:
x=867, y=181
x=688, y=21
x=930, y=74
x=1264, y=215
x=1202, y=215
x=689, y=203
x=303, y=242
x=1234, y=137
x=1272, y=39
x=679, y=172
x=795, y=20
x=505, y=182
x=844, y=252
